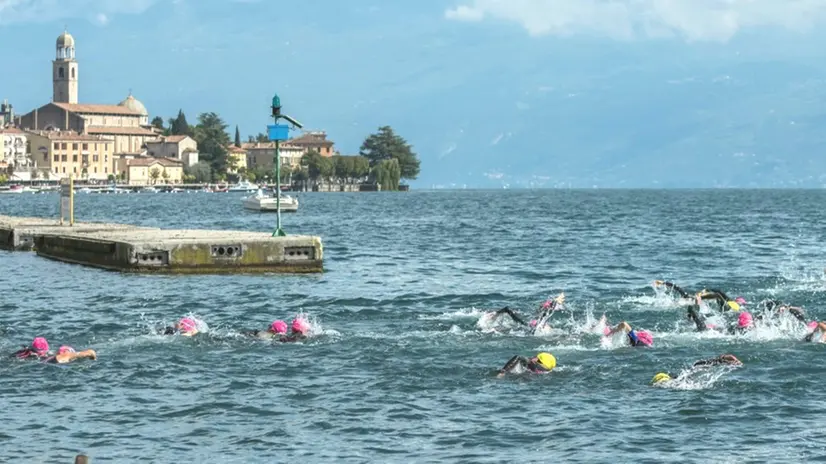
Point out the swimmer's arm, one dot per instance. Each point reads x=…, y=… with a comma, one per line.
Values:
x=621, y=326
x=189, y=334
x=512, y=362
x=69, y=357
x=697, y=318
x=509, y=312
x=673, y=287
x=797, y=313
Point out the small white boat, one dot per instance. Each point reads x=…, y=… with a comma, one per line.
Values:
x=262, y=202
x=243, y=186
x=149, y=190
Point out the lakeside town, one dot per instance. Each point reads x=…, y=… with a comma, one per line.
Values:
x=118, y=148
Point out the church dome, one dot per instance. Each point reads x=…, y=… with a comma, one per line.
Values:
x=65, y=40
x=135, y=105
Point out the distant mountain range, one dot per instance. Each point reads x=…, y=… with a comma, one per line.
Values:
x=632, y=118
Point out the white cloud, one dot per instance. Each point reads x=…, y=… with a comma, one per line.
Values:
x=19, y=11
x=694, y=20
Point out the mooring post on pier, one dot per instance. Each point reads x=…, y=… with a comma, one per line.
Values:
x=67, y=200
x=279, y=133
x=81, y=459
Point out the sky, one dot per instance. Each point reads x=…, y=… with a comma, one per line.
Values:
x=473, y=85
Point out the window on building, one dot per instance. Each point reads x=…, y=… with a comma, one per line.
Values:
x=105, y=158
x=85, y=146
x=96, y=147
x=74, y=146
x=60, y=72
x=95, y=158
x=56, y=146
x=64, y=169
x=73, y=73
x=63, y=146
x=74, y=169
x=86, y=159
x=55, y=170
x=96, y=169
x=64, y=158
x=106, y=170
x=56, y=158
x=74, y=158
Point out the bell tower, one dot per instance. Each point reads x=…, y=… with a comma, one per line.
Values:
x=64, y=70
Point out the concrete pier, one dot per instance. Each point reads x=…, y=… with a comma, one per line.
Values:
x=128, y=248
x=185, y=251
x=20, y=233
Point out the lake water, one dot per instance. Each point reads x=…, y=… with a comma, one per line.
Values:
x=400, y=368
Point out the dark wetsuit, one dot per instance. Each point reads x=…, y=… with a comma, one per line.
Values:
x=713, y=362
x=26, y=353
x=525, y=363
x=721, y=298
x=778, y=306
x=509, y=312
x=699, y=320
x=680, y=291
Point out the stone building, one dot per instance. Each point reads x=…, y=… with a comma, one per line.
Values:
x=180, y=147
x=14, y=148
x=139, y=171
x=125, y=124
x=67, y=153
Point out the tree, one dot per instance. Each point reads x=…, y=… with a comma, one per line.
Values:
x=237, y=137
x=154, y=174
x=3, y=179
x=179, y=125
x=200, y=172
x=157, y=122
x=165, y=176
x=318, y=167
x=211, y=135
x=386, y=145
x=286, y=174
x=387, y=174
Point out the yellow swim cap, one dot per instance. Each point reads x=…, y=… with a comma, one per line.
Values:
x=547, y=360
x=661, y=377
x=733, y=305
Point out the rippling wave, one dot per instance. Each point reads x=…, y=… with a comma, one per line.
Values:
x=403, y=366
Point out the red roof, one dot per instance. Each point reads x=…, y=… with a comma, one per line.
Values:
x=96, y=109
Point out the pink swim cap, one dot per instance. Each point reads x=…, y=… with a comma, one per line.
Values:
x=279, y=327
x=40, y=345
x=740, y=300
x=744, y=320
x=645, y=338
x=65, y=349
x=606, y=331
x=301, y=325
x=533, y=322
x=812, y=325
x=546, y=304
x=187, y=324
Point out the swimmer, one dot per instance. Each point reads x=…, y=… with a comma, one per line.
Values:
x=277, y=329
x=544, y=312
x=816, y=327
x=725, y=359
x=67, y=354
x=186, y=327
x=745, y=322
x=300, y=329
x=661, y=283
x=38, y=349
x=509, y=312
x=778, y=307
x=636, y=338
x=725, y=303
x=542, y=363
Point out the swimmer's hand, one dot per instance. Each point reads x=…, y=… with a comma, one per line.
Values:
x=657, y=283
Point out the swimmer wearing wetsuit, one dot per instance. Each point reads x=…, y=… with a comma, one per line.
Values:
x=816, y=327
x=725, y=359
x=635, y=337
x=725, y=303
x=779, y=307
x=276, y=330
x=39, y=348
x=542, y=315
x=186, y=327
x=511, y=313
x=672, y=287
x=542, y=363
